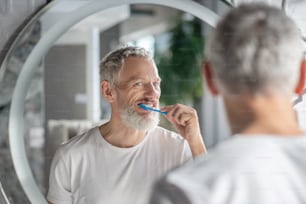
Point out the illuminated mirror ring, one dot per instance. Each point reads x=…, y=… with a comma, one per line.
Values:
x=16, y=119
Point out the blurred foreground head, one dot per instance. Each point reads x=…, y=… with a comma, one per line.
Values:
x=255, y=49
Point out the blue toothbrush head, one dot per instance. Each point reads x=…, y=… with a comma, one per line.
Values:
x=143, y=106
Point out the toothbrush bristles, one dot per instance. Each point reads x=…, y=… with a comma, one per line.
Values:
x=143, y=106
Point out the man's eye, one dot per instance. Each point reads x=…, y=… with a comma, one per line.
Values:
x=156, y=84
x=138, y=84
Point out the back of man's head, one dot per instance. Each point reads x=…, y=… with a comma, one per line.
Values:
x=255, y=49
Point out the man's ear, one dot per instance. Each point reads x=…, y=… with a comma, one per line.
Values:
x=208, y=77
x=107, y=91
x=301, y=82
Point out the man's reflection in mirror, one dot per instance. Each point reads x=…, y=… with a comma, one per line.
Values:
x=119, y=161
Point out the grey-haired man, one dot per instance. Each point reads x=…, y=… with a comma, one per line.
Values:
x=118, y=162
x=255, y=62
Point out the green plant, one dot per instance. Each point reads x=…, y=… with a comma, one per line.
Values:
x=179, y=66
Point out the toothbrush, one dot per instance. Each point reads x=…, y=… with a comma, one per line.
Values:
x=143, y=106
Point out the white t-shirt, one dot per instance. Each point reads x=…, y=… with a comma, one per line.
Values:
x=89, y=170
x=241, y=170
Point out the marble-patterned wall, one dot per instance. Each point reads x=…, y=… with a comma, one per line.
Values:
x=12, y=14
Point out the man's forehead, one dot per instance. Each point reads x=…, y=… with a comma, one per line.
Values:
x=138, y=64
x=141, y=68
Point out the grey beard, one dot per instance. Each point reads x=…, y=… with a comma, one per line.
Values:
x=133, y=120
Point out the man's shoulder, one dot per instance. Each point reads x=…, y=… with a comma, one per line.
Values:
x=203, y=173
x=80, y=141
x=235, y=156
x=189, y=179
x=221, y=160
x=238, y=166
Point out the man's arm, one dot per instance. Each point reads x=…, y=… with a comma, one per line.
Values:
x=185, y=120
x=197, y=146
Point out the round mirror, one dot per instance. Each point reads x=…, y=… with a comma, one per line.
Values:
x=36, y=41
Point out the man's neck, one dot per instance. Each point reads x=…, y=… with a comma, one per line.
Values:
x=263, y=115
x=118, y=134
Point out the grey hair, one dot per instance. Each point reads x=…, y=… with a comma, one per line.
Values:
x=257, y=49
x=112, y=63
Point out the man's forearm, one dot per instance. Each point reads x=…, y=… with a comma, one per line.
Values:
x=197, y=147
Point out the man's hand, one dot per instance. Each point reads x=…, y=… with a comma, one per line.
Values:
x=185, y=120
